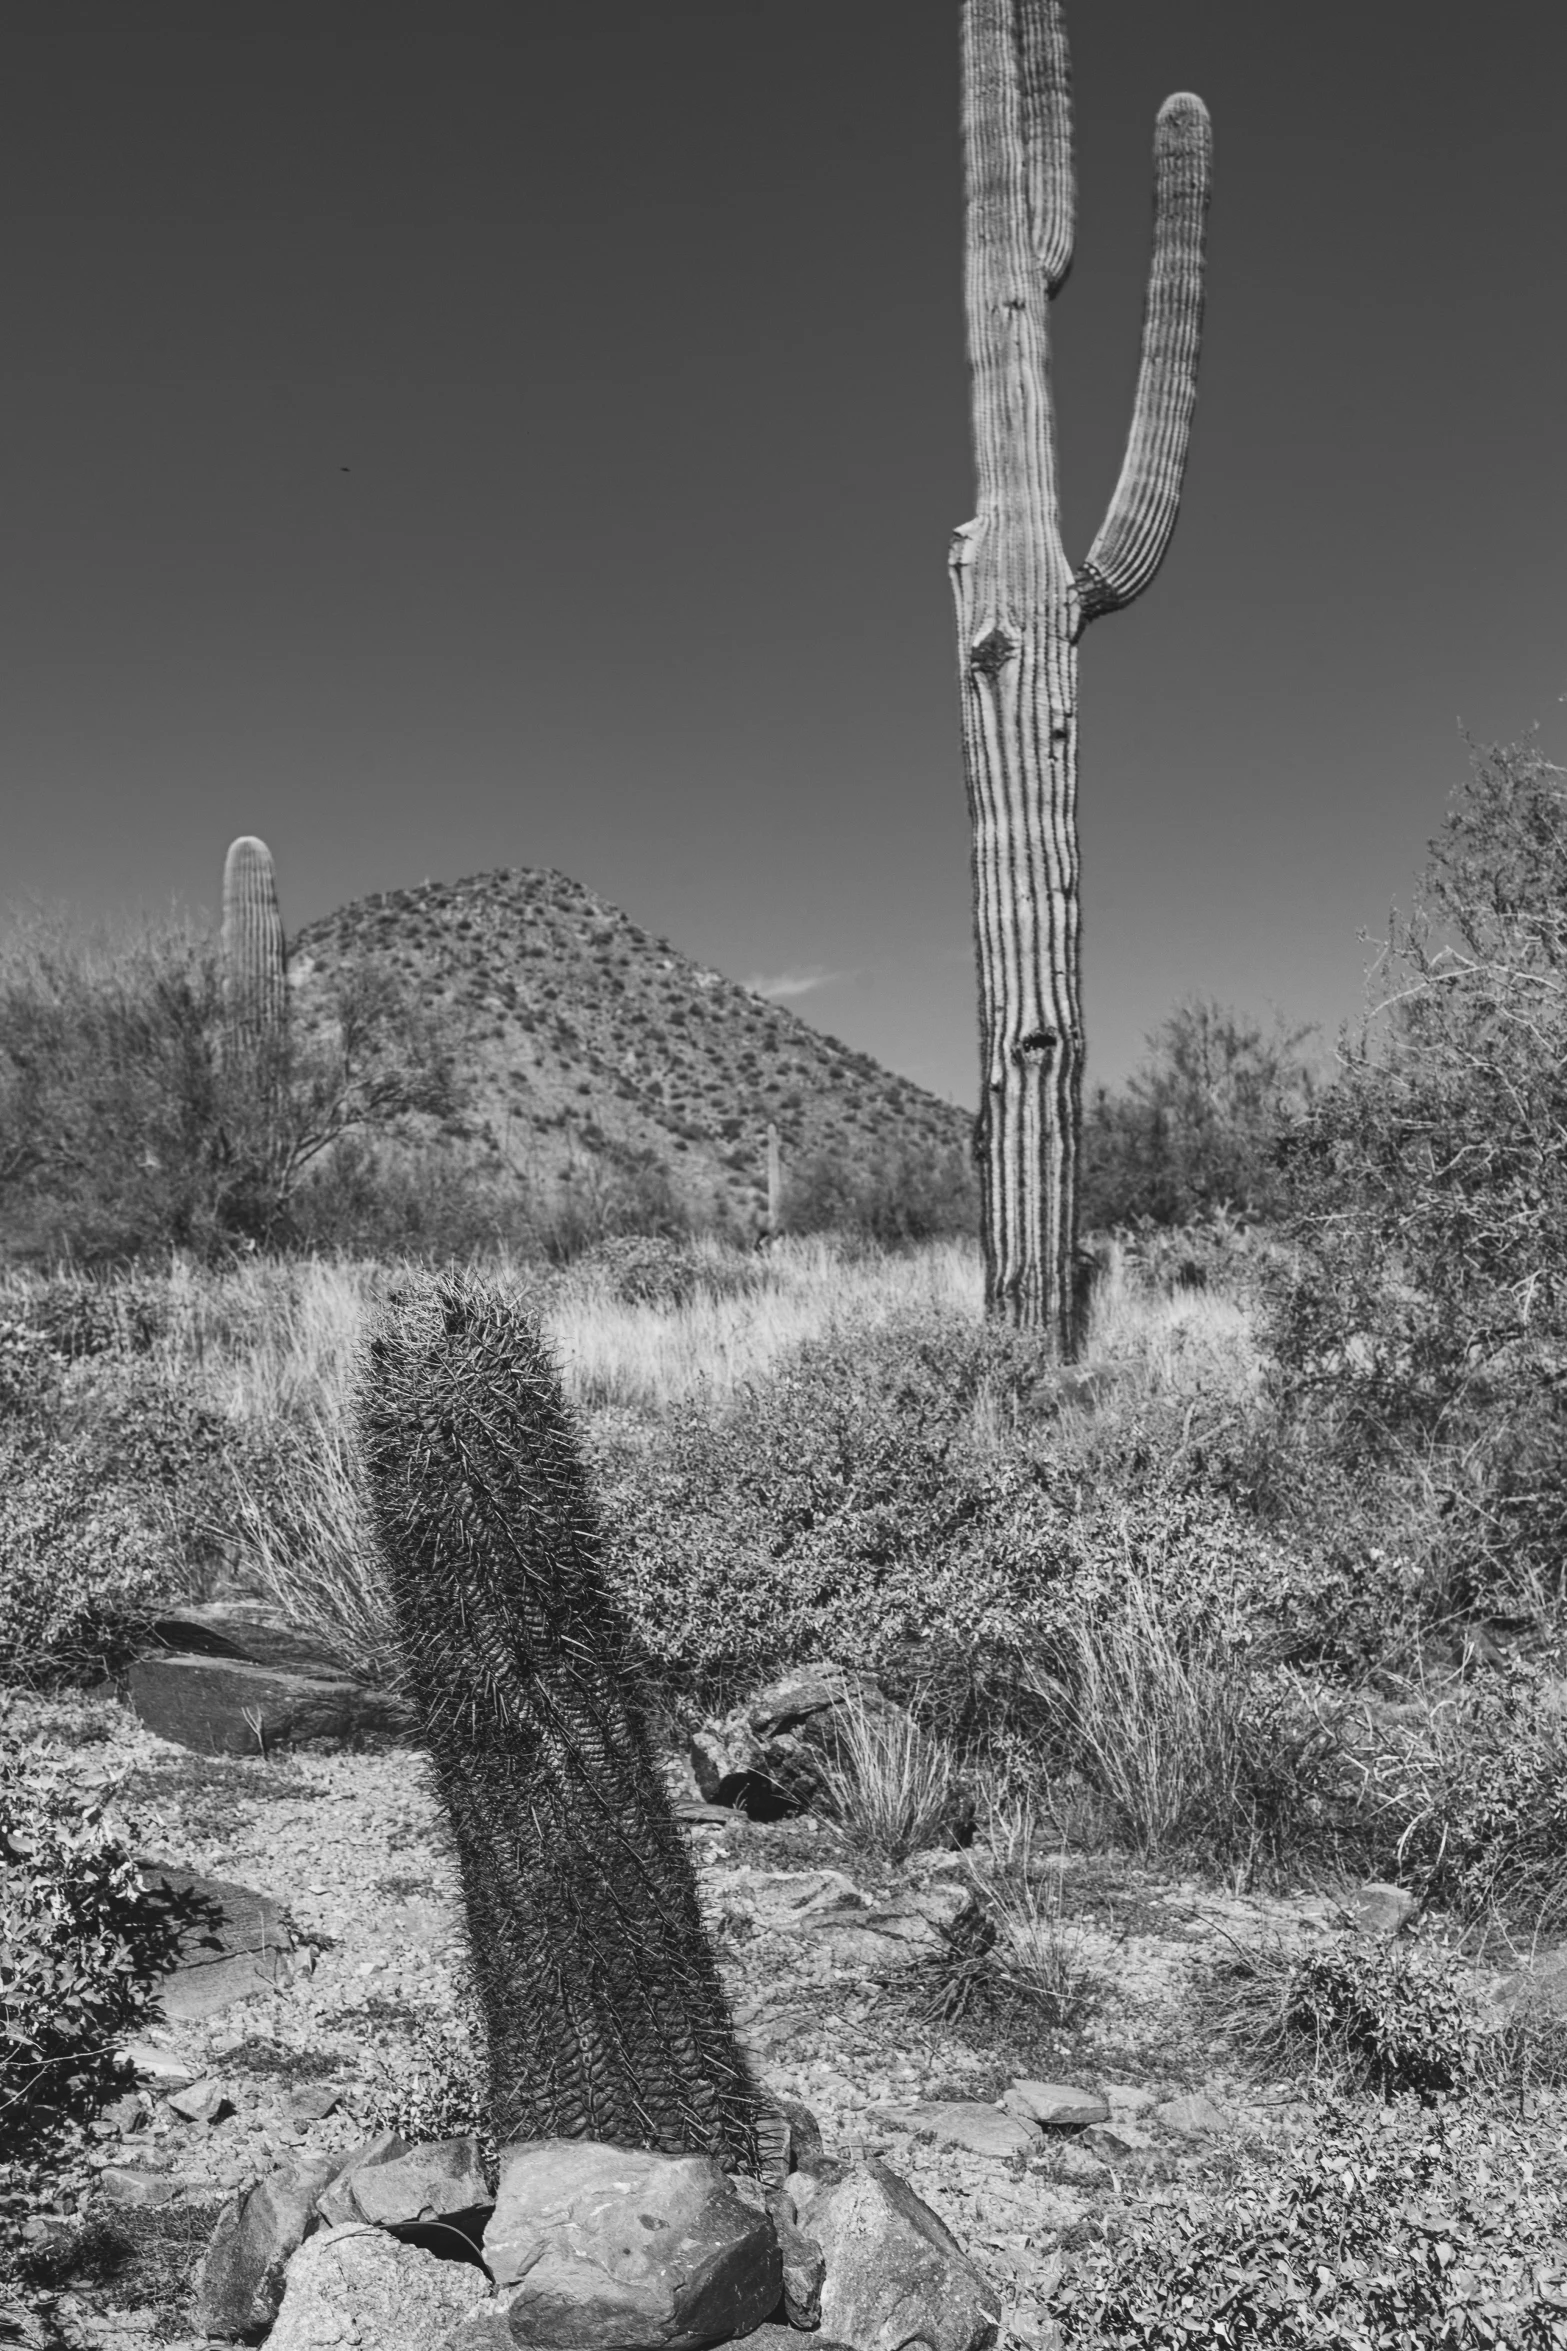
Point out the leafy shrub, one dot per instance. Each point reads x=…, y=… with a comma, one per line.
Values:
x=650, y=1269
x=1194, y=1133
x=1420, y=1312
x=114, y=1493
x=1375, y=2013
x=1389, y=2229
x=82, y=1944
x=431, y=2083
x=78, y=1314
x=845, y=1508
x=891, y=1197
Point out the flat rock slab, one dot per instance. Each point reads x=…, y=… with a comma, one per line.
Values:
x=1056, y=2106
x=396, y=2186
x=961, y=2122
x=234, y=1942
x=243, y=1631
x=224, y=1706
x=1194, y=2116
x=598, y=2248
x=124, y=2185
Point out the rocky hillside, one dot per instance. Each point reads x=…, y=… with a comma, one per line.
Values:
x=590, y=1047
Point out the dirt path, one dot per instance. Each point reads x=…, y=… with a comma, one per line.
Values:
x=352, y=1846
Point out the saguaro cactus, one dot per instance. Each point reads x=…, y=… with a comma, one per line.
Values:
x=255, y=983
x=604, y=2012
x=1021, y=608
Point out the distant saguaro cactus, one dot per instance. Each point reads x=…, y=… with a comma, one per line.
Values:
x=603, y=2007
x=255, y=981
x=1021, y=608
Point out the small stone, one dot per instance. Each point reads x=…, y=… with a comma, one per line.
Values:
x=804, y=2271
x=594, y=2245
x=961, y=2122
x=1378, y=1909
x=1127, y=2098
x=205, y=2101
x=124, y=2115
x=313, y=2102
x=154, y=2064
x=1193, y=2116
x=134, y=2190
x=1055, y=2106
x=1116, y=2144
x=1074, y=2164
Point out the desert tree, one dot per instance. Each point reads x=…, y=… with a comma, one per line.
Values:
x=1022, y=608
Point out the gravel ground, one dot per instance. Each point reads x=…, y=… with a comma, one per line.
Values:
x=351, y=1844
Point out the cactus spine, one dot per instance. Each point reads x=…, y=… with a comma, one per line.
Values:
x=1022, y=607
x=603, y=2008
x=255, y=982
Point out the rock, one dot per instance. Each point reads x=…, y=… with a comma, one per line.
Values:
x=357, y=2285
x=1537, y=1993
x=896, y=2275
x=1055, y=2106
x=152, y=2063
x=1377, y=1909
x=313, y=2101
x=394, y=2186
x=205, y=2101
x=338, y=2205
x=234, y=1942
x=223, y=1706
x=243, y=1630
x=604, y=2246
x=766, y=1756
x=1194, y=2116
x=961, y=2122
x=121, y=2184
x=1126, y=2098
x=240, y=2281
x=123, y=2115
x=805, y=2134
x=773, y=2337
x=1074, y=2164
x=1115, y=2145
x=804, y=2270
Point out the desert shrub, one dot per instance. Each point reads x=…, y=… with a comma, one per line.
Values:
x=431, y=2082
x=80, y=1314
x=82, y=1944
x=1194, y=1132
x=1369, y=2012
x=650, y=1269
x=1420, y=1313
x=893, y=1197
x=115, y=1491
x=129, y=1130
x=1388, y=2229
x=843, y=1508
x=302, y=1539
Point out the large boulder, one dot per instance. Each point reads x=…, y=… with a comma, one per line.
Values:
x=598, y=2248
x=228, y=1706
x=358, y=2285
x=896, y=2275
x=435, y=2184
x=240, y=2282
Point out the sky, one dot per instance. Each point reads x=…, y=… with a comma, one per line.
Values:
x=445, y=437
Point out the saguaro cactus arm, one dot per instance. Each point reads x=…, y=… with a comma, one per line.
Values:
x=1136, y=530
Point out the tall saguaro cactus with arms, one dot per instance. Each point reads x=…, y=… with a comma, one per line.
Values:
x=1022, y=607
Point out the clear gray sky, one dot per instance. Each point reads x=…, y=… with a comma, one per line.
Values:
x=460, y=435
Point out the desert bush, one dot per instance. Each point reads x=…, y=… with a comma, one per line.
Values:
x=650, y=1269
x=893, y=1198
x=82, y=1945
x=850, y=1507
x=115, y=1492
x=1389, y=2228
x=303, y=1542
x=1367, y=2012
x=1194, y=1132
x=129, y=1132
x=1420, y=1314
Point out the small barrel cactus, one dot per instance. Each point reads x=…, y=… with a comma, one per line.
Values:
x=602, y=2003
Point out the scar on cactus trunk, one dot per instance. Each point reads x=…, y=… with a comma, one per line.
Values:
x=603, y=2007
x=1022, y=607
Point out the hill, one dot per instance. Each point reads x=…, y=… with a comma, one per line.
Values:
x=591, y=1049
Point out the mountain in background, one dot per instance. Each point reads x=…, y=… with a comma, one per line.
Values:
x=589, y=1047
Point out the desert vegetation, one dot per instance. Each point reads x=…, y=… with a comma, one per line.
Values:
x=1264, y=1594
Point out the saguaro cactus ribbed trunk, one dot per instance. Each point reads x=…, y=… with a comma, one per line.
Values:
x=1021, y=608
x=255, y=981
